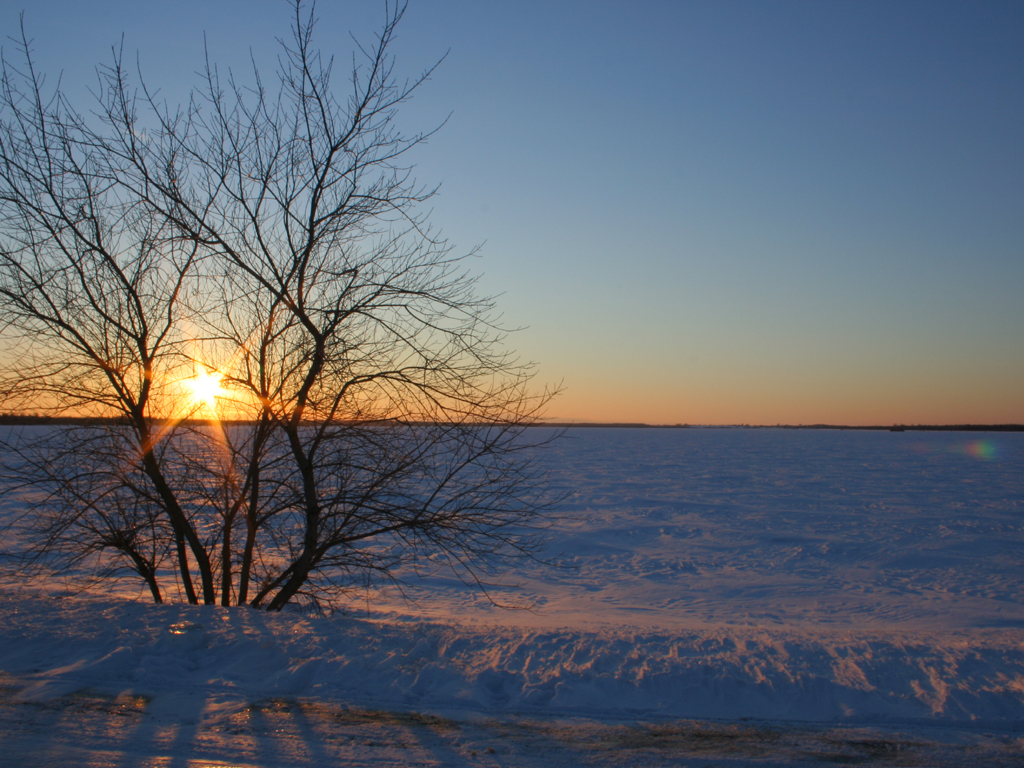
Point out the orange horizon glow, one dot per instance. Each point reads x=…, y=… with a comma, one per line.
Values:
x=594, y=404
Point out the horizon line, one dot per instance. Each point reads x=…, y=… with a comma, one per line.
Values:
x=967, y=427
x=28, y=419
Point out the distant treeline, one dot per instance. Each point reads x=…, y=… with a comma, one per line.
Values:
x=35, y=418
x=879, y=427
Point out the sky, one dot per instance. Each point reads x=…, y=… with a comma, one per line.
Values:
x=693, y=212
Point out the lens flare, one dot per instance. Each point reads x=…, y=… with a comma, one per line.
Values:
x=982, y=449
x=979, y=449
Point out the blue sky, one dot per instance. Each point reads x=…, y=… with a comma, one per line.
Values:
x=699, y=212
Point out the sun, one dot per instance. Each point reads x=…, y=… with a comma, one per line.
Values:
x=205, y=388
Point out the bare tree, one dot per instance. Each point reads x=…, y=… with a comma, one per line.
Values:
x=298, y=389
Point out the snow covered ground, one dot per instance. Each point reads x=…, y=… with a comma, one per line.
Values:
x=720, y=597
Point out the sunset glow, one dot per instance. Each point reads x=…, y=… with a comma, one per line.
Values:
x=205, y=388
x=799, y=217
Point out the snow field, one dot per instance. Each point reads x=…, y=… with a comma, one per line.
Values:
x=229, y=658
x=731, y=597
